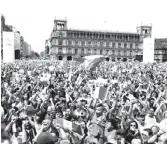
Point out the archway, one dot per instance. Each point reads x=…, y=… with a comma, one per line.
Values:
x=113, y=59
x=124, y=59
x=60, y=58
x=107, y=59
x=69, y=58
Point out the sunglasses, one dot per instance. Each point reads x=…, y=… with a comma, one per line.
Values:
x=133, y=125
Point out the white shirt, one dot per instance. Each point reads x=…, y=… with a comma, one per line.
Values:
x=150, y=121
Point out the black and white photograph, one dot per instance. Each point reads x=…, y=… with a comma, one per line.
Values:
x=83, y=71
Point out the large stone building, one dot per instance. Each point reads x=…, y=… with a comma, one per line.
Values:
x=26, y=49
x=160, y=50
x=66, y=43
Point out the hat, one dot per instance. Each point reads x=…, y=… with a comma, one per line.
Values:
x=45, y=138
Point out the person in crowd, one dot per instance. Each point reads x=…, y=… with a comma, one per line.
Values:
x=64, y=102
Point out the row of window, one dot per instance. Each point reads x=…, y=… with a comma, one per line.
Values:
x=160, y=52
x=158, y=57
x=101, y=51
x=104, y=36
x=93, y=44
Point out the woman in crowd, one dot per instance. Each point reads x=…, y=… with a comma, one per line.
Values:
x=61, y=102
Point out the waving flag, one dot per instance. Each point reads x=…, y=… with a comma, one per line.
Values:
x=90, y=63
x=94, y=61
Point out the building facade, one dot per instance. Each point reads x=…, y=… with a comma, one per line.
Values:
x=160, y=50
x=26, y=49
x=21, y=48
x=21, y=45
x=66, y=43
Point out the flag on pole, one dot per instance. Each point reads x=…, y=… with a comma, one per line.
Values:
x=68, y=125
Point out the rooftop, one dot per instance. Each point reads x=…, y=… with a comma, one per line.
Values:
x=101, y=31
x=161, y=39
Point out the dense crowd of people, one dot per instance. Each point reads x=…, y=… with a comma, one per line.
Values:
x=58, y=102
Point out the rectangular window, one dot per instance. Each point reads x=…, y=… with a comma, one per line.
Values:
x=108, y=44
x=60, y=42
x=113, y=51
x=125, y=45
x=60, y=49
x=76, y=51
x=101, y=51
x=119, y=45
x=92, y=44
x=104, y=44
x=131, y=45
x=122, y=53
x=98, y=44
x=73, y=42
x=69, y=50
x=95, y=51
x=83, y=43
x=119, y=52
x=136, y=46
x=113, y=45
x=79, y=43
x=69, y=42
x=89, y=51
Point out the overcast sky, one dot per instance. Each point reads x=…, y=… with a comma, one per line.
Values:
x=34, y=18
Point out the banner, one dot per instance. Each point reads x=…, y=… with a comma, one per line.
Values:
x=8, y=47
x=100, y=93
x=99, y=82
x=68, y=125
x=148, y=50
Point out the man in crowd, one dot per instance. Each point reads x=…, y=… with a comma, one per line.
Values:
x=62, y=102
